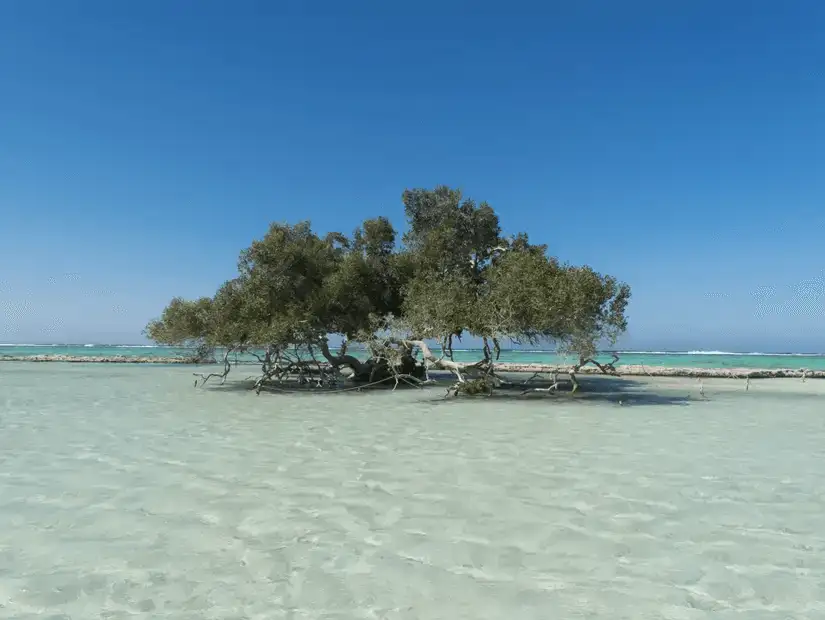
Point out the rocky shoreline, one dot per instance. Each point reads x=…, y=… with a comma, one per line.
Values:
x=633, y=370
x=97, y=359
x=624, y=370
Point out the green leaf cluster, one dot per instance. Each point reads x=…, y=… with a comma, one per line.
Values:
x=453, y=273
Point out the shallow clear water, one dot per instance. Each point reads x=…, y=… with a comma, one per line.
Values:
x=127, y=493
x=694, y=359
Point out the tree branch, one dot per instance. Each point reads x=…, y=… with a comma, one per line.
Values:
x=438, y=363
x=227, y=366
x=340, y=360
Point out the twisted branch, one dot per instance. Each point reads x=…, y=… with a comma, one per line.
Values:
x=227, y=366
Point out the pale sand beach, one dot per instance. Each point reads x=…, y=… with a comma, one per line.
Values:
x=127, y=493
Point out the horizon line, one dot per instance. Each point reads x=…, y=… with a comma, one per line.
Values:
x=601, y=351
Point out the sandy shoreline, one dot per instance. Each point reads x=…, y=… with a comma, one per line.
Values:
x=625, y=370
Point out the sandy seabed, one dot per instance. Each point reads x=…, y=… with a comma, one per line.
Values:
x=127, y=493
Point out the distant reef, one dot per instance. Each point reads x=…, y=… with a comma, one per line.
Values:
x=625, y=370
x=98, y=359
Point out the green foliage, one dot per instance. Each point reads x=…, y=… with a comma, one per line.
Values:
x=448, y=235
x=183, y=322
x=454, y=274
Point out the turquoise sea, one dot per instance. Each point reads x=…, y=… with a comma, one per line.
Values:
x=689, y=359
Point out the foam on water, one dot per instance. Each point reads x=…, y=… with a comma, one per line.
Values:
x=127, y=493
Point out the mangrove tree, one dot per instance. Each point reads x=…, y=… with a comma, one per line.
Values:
x=397, y=305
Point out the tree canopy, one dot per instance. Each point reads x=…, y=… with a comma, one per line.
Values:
x=453, y=273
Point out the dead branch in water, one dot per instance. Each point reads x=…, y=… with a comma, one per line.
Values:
x=607, y=369
x=227, y=366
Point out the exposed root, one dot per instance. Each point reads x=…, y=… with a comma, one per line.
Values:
x=443, y=362
x=472, y=387
x=572, y=375
x=227, y=366
x=390, y=361
x=354, y=388
x=607, y=369
x=552, y=388
x=342, y=359
x=481, y=378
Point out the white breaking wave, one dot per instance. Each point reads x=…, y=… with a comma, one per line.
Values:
x=647, y=352
x=101, y=346
x=728, y=353
x=756, y=353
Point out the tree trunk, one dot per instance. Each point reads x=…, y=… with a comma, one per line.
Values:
x=436, y=362
x=373, y=370
x=357, y=366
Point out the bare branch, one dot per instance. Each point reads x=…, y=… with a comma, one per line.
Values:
x=222, y=375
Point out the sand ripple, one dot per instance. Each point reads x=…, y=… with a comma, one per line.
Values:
x=124, y=493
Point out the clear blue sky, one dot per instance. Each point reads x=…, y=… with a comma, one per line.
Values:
x=677, y=145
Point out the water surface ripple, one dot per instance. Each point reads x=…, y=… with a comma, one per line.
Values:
x=127, y=493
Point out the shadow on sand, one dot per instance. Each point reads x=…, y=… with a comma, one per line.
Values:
x=619, y=391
